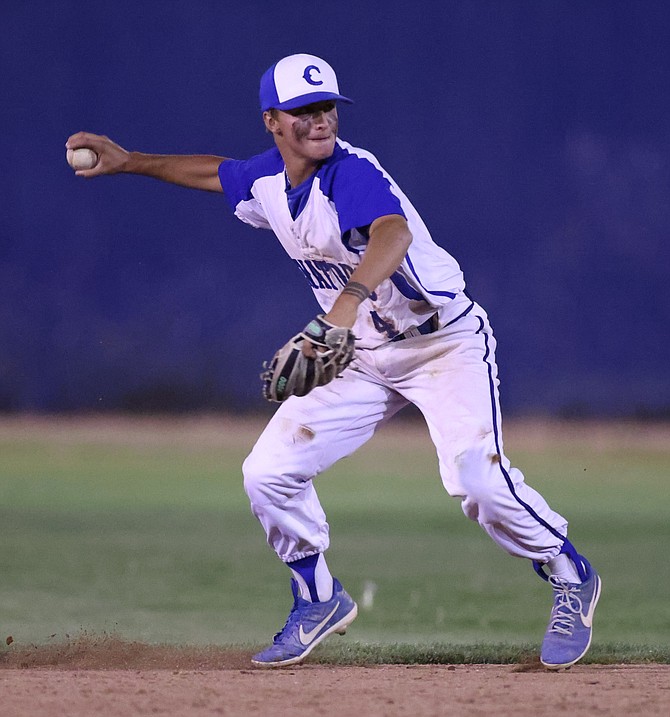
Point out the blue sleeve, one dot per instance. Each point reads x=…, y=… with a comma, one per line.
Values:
x=361, y=194
x=237, y=177
x=234, y=181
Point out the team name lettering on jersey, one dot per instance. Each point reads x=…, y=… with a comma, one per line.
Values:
x=321, y=274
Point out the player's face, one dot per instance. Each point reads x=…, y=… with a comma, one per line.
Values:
x=306, y=132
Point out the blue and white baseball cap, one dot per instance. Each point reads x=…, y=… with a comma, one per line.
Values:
x=299, y=80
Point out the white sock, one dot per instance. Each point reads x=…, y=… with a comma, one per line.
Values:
x=562, y=567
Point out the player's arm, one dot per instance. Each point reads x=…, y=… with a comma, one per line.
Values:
x=198, y=171
x=388, y=243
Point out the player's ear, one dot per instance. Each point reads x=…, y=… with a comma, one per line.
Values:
x=271, y=122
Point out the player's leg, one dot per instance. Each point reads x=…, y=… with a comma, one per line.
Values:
x=458, y=394
x=305, y=437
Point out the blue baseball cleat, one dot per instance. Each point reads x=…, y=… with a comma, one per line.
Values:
x=568, y=635
x=307, y=625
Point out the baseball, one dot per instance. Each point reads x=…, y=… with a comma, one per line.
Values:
x=82, y=158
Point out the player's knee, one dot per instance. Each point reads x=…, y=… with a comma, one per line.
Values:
x=485, y=490
x=256, y=479
x=267, y=482
x=476, y=470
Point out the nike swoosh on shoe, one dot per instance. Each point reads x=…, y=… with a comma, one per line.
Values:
x=306, y=638
x=587, y=620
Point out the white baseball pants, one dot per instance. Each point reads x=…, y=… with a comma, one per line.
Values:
x=451, y=376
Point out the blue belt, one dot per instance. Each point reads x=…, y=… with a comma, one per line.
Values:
x=427, y=327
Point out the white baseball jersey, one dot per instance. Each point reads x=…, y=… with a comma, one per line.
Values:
x=450, y=373
x=323, y=225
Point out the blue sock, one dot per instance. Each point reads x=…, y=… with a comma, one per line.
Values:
x=313, y=578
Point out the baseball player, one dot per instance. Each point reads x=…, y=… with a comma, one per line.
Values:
x=382, y=282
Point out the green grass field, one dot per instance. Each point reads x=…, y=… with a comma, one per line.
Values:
x=141, y=529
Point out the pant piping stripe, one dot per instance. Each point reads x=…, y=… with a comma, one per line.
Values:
x=506, y=475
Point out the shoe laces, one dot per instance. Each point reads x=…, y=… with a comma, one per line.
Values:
x=567, y=605
x=292, y=618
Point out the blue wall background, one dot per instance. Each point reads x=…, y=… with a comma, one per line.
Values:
x=533, y=136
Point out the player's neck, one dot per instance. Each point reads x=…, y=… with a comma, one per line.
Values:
x=299, y=169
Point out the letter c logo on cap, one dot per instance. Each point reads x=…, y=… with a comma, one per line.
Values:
x=307, y=74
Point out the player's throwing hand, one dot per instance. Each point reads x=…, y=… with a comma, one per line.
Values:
x=112, y=158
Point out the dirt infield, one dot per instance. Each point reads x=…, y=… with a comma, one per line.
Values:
x=114, y=678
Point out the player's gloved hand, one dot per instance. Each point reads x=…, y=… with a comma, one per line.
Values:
x=292, y=372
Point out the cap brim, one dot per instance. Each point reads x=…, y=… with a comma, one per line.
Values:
x=309, y=99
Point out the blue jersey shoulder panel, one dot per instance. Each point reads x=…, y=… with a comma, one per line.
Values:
x=360, y=191
x=238, y=176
